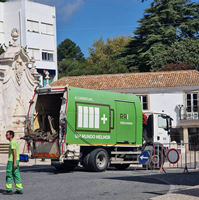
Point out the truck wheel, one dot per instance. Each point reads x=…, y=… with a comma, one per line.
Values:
x=121, y=166
x=98, y=160
x=85, y=162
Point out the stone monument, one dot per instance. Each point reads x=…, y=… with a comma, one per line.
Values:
x=18, y=79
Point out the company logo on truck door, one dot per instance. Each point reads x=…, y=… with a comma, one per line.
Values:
x=94, y=117
x=125, y=117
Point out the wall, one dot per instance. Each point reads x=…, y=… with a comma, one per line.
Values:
x=11, y=19
x=15, y=15
x=1, y=20
x=168, y=103
x=46, y=14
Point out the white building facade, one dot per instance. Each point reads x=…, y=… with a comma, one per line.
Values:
x=37, y=25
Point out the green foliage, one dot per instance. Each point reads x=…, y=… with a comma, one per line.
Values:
x=176, y=66
x=164, y=23
x=100, y=61
x=68, y=50
x=3, y=0
x=102, y=51
x=69, y=67
x=180, y=55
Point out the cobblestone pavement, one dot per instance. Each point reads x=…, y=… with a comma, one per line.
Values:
x=190, y=193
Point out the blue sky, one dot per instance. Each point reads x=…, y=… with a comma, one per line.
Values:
x=83, y=21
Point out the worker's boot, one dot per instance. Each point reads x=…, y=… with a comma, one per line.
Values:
x=18, y=192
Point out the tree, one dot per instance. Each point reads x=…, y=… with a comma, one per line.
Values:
x=68, y=67
x=176, y=66
x=102, y=51
x=3, y=0
x=68, y=50
x=181, y=55
x=165, y=22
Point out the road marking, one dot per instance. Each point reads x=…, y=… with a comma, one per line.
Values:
x=172, y=188
x=2, y=170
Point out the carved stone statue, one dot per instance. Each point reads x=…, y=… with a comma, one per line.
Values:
x=15, y=35
x=19, y=69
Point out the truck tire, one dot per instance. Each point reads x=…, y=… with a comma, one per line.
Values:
x=121, y=166
x=98, y=160
x=85, y=162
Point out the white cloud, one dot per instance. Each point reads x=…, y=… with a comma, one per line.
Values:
x=64, y=9
x=71, y=8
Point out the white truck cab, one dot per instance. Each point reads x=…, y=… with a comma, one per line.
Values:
x=158, y=128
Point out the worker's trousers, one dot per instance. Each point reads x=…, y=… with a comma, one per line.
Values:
x=11, y=172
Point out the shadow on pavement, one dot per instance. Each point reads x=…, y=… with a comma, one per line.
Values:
x=44, y=169
x=1, y=191
x=140, y=175
x=172, y=178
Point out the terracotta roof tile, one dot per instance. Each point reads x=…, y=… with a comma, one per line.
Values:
x=132, y=80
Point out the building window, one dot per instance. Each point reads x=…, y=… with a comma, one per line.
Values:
x=193, y=137
x=34, y=53
x=192, y=102
x=191, y=106
x=33, y=26
x=47, y=56
x=1, y=27
x=47, y=29
x=144, y=101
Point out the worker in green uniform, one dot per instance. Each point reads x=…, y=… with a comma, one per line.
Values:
x=13, y=166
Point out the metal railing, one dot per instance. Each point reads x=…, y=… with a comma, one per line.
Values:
x=189, y=113
x=176, y=156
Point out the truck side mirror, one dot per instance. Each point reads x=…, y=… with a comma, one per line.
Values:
x=169, y=123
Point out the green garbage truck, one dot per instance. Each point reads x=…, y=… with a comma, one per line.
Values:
x=95, y=129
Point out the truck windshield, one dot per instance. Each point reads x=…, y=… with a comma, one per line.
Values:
x=162, y=122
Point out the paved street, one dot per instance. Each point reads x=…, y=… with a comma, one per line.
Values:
x=44, y=182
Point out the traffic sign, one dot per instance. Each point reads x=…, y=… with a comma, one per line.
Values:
x=173, y=156
x=144, y=157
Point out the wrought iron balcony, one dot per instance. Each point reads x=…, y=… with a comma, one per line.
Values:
x=189, y=113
